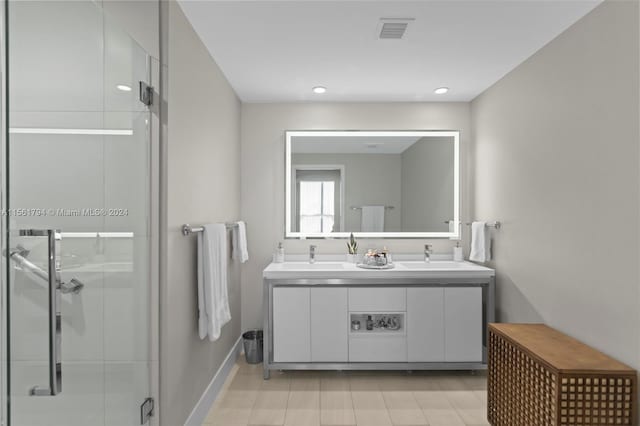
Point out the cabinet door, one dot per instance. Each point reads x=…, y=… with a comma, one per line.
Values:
x=329, y=325
x=425, y=324
x=291, y=330
x=463, y=324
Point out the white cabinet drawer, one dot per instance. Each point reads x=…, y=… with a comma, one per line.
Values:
x=377, y=299
x=378, y=349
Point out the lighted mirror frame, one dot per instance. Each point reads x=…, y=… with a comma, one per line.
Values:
x=289, y=134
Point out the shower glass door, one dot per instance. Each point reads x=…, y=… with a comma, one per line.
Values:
x=76, y=204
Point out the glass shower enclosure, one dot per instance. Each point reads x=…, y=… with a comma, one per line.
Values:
x=76, y=205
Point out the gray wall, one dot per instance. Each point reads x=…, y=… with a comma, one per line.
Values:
x=427, y=185
x=202, y=184
x=557, y=160
x=262, y=169
x=360, y=171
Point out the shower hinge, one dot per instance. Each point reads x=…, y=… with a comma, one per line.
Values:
x=146, y=410
x=146, y=93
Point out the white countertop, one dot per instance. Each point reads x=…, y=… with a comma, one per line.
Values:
x=402, y=269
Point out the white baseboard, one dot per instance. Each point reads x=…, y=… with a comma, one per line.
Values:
x=200, y=411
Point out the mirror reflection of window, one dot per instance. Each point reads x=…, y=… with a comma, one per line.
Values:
x=317, y=193
x=317, y=212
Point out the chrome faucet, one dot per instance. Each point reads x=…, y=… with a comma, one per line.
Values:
x=427, y=252
x=312, y=254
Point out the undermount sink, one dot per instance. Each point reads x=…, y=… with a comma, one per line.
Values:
x=307, y=266
x=431, y=265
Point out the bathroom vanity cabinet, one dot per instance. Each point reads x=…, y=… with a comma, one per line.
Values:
x=436, y=315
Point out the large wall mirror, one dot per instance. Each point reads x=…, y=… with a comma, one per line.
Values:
x=376, y=184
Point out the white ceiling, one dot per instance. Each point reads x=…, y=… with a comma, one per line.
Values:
x=276, y=51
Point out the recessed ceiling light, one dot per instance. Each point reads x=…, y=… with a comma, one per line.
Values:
x=124, y=87
x=441, y=90
x=319, y=89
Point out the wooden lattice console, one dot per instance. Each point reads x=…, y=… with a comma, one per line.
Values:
x=541, y=377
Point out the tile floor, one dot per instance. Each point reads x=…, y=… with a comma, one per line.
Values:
x=302, y=398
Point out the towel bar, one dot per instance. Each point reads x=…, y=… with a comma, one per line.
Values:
x=497, y=224
x=188, y=229
x=360, y=207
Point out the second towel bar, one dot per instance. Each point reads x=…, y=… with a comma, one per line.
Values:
x=188, y=229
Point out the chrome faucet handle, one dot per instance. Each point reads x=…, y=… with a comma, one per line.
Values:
x=312, y=253
x=427, y=252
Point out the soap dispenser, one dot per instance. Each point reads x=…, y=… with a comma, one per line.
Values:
x=457, y=253
x=279, y=257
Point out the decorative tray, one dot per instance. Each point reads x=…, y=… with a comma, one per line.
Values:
x=365, y=266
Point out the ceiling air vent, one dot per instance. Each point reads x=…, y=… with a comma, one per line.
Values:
x=393, y=28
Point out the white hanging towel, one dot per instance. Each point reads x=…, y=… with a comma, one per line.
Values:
x=480, y=243
x=213, y=299
x=239, y=241
x=372, y=219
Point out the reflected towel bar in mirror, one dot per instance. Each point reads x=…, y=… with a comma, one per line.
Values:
x=497, y=224
x=188, y=229
x=360, y=207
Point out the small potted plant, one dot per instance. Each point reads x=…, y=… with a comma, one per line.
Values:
x=352, y=247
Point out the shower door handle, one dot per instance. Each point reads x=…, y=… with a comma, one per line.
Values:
x=55, y=319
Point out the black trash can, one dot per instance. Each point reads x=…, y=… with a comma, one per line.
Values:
x=252, y=341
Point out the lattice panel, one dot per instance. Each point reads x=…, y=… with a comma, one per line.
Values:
x=596, y=400
x=521, y=391
x=525, y=392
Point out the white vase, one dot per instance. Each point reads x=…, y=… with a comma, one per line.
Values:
x=352, y=258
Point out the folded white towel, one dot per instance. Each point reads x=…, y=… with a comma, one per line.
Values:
x=239, y=242
x=480, y=243
x=213, y=299
x=372, y=219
